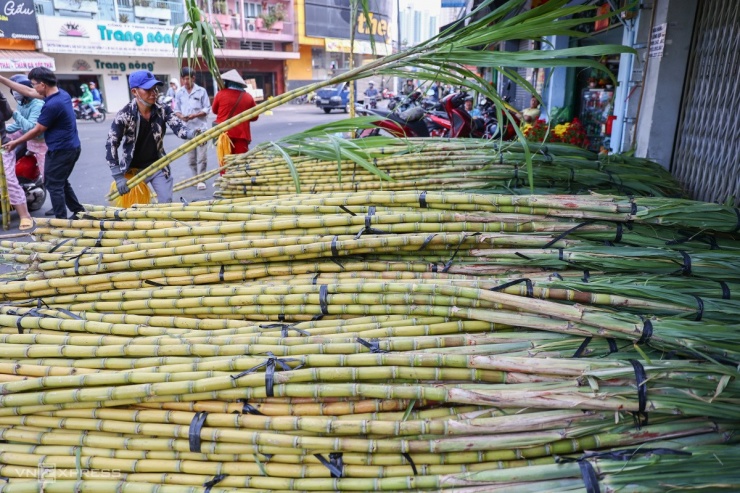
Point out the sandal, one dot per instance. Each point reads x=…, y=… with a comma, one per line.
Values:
x=201, y=186
x=26, y=224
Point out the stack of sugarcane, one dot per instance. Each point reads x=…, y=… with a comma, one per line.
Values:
x=378, y=341
x=435, y=164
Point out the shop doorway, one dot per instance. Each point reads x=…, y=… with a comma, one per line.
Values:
x=264, y=81
x=72, y=83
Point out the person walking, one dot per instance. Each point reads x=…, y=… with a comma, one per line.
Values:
x=171, y=91
x=139, y=128
x=58, y=125
x=192, y=105
x=25, y=117
x=231, y=101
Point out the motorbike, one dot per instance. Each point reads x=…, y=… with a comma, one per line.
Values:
x=29, y=177
x=88, y=114
x=371, y=102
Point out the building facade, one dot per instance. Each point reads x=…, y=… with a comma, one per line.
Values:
x=104, y=41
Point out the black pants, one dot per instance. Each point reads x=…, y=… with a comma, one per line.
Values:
x=59, y=165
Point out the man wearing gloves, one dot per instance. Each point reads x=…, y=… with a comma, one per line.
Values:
x=139, y=129
x=192, y=105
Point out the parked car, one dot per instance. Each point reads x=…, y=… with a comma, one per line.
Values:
x=333, y=98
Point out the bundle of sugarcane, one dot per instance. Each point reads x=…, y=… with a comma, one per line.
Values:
x=405, y=341
x=435, y=164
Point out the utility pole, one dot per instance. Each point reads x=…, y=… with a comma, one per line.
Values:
x=398, y=41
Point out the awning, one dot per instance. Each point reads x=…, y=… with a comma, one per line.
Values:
x=23, y=61
x=257, y=55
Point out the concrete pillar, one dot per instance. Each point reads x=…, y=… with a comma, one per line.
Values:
x=663, y=81
x=557, y=84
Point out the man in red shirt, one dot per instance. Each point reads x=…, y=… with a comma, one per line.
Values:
x=231, y=101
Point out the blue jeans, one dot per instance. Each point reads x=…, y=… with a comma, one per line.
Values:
x=59, y=165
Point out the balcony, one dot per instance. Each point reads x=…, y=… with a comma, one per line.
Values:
x=230, y=23
x=161, y=12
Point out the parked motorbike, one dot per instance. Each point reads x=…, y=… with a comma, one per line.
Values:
x=29, y=177
x=87, y=113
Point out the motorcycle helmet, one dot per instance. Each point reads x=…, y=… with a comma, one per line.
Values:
x=371, y=83
x=21, y=79
x=27, y=168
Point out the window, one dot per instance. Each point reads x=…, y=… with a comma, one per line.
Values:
x=252, y=10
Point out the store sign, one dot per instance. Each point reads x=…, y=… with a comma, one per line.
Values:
x=18, y=20
x=65, y=35
x=25, y=63
x=362, y=47
x=332, y=19
x=657, y=41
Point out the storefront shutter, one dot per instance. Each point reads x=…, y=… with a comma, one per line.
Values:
x=705, y=157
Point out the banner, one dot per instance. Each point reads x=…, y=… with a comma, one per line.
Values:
x=18, y=20
x=331, y=19
x=84, y=36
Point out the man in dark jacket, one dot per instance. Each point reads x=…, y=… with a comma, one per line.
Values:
x=139, y=129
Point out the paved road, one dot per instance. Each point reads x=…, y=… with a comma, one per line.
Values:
x=91, y=178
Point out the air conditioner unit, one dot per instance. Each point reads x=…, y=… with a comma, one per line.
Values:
x=251, y=25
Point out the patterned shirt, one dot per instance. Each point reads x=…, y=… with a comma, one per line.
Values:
x=190, y=103
x=125, y=129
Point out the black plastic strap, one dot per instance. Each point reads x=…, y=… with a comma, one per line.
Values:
x=99, y=243
x=347, y=210
x=196, y=425
x=434, y=267
x=586, y=275
x=102, y=225
x=285, y=328
x=633, y=207
x=560, y=255
x=618, y=236
x=182, y=199
x=452, y=259
x=423, y=200
x=528, y=282
x=324, y=299
x=647, y=332
x=566, y=233
x=213, y=482
x=373, y=345
x=368, y=228
x=411, y=462
x=641, y=379
x=427, y=241
x=737, y=225
x=686, y=269
x=335, y=252
x=117, y=215
x=521, y=255
x=334, y=464
x=315, y=279
x=271, y=364
x=59, y=245
x=247, y=408
x=725, y=290
x=612, y=346
x=221, y=273
x=590, y=478
x=152, y=283
x=699, y=309
x=556, y=275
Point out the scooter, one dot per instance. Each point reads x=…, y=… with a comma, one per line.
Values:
x=96, y=116
x=29, y=177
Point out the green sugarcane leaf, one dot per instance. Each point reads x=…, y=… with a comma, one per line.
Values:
x=291, y=166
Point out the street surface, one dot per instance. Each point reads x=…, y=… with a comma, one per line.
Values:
x=91, y=178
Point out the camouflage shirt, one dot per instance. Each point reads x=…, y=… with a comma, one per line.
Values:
x=125, y=129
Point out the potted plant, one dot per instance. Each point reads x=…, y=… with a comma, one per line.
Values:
x=273, y=17
x=219, y=7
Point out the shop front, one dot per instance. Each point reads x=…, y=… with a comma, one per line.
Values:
x=106, y=53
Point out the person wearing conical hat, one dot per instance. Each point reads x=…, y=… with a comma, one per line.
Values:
x=229, y=102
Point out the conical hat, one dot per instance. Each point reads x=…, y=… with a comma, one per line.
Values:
x=233, y=76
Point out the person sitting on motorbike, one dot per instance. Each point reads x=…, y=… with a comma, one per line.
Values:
x=86, y=101
x=25, y=116
x=472, y=110
x=371, y=92
x=408, y=87
x=97, y=98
